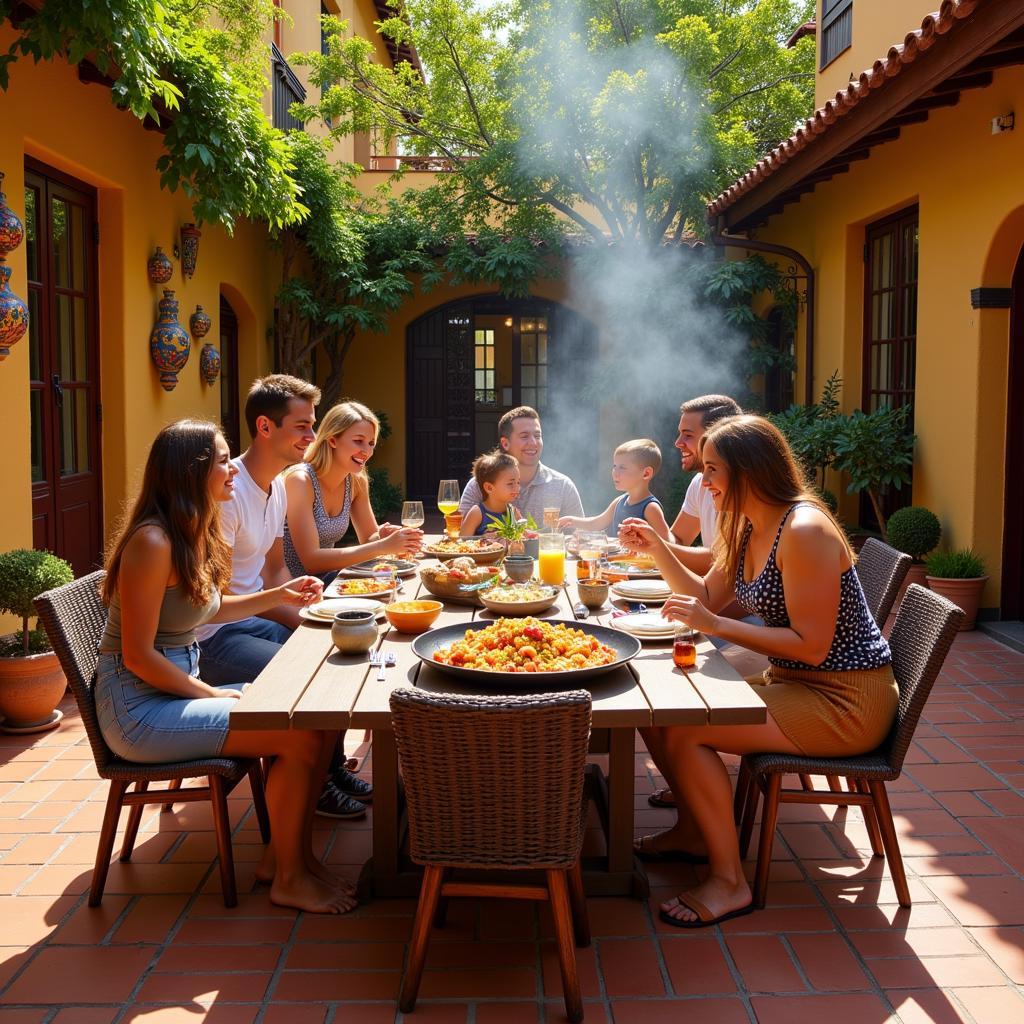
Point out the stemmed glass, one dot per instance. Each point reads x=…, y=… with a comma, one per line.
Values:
x=412, y=514
x=448, y=503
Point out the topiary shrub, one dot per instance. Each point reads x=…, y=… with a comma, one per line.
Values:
x=386, y=497
x=964, y=564
x=24, y=575
x=914, y=530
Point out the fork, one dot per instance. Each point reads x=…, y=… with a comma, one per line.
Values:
x=377, y=660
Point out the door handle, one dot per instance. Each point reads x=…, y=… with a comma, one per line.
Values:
x=58, y=391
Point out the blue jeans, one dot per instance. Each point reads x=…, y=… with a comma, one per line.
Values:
x=240, y=651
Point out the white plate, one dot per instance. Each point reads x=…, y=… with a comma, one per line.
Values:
x=333, y=591
x=642, y=590
x=333, y=605
x=402, y=567
x=645, y=627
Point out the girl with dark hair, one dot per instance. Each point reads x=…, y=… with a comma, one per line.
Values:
x=829, y=690
x=165, y=574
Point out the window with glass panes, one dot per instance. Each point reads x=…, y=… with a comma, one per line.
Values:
x=533, y=361
x=483, y=364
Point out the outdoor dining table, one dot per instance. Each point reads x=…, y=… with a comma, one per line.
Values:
x=309, y=685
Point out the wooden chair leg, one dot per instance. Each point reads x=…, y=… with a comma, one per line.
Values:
x=769, y=817
x=106, y=840
x=441, y=914
x=578, y=900
x=880, y=802
x=870, y=819
x=259, y=800
x=132, y=830
x=222, y=828
x=743, y=783
x=430, y=892
x=806, y=782
x=558, y=890
x=834, y=783
x=749, y=814
x=171, y=786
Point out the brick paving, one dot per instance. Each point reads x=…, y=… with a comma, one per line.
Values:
x=832, y=944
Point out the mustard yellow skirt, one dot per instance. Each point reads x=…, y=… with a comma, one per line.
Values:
x=830, y=714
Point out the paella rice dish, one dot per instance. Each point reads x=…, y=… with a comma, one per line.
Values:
x=526, y=645
x=465, y=546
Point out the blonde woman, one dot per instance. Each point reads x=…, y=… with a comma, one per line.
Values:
x=329, y=489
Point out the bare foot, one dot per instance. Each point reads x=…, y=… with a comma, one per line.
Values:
x=717, y=894
x=305, y=892
x=338, y=883
x=672, y=841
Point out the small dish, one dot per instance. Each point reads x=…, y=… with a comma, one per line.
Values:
x=361, y=586
x=323, y=612
x=593, y=593
x=399, y=566
x=413, y=616
x=652, y=628
x=518, y=608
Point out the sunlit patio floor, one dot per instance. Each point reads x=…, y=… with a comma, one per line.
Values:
x=833, y=945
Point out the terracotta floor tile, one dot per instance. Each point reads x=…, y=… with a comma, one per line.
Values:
x=328, y=986
x=14, y=878
x=964, y=803
x=294, y=1013
x=510, y=983
x=704, y=1011
x=988, y=1005
x=217, y=959
x=12, y=959
x=764, y=964
x=241, y=932
x=828, y=963
x=697, y=965
x=914, y=942
x=935, y=971
x=320, y=956
x=630, y=967
x=150, y=919
x=981, y=901
x=513, y=1013
x=204, y=987
x=191, y=1013
x=37, y=849
x=836, y=1009
x=925, y=1006
x=441, y=1013
x=1003, y=836
x=341, y=928
x=85, y=1015
x=881, y=890
x=586, y=967
x=956, y=864
x=774, y=922
x=9, y=1016
x=920, y=915
x=476, y=954
x=31, y=919
x=1005, y=946
x=87, y=975
x=89, y=925
x=1005, y=801
x=617, y=917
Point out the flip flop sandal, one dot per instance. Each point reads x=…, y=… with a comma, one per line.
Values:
x=657, y=799
x=705, y=919
x=647, y=853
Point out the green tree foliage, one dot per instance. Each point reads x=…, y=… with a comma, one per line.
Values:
x=198, y=69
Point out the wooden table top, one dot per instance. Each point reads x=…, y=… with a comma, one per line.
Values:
x=308, y=685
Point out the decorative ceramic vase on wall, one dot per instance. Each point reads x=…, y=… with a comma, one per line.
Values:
x=169, y=344
x=199, y=323
x=190, y=236
x=13, y=314
x=209, y=363
x=11, y=230
x=160, y=268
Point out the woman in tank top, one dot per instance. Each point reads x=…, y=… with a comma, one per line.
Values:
x=829, y=690
x=165, y=576
x=329, y=489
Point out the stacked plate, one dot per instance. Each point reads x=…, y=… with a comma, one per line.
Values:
x=647, y=591
x=645, y=626
x=324, y=611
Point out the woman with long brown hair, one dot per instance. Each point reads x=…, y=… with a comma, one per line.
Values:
x=165, y=576
x=829, y=689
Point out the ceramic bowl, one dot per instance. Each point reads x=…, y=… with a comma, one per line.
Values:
x=413, y=616
x=593, y=593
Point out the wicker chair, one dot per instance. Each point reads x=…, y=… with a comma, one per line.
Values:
x=73, y=616
x=881, y=569
x=921, y=637
x=496, y=783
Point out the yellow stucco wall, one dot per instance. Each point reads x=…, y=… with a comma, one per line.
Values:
x=51, y=116
x=966, y=183
x=876, y=27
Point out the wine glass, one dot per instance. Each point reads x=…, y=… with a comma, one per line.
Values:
x=412, y=514
x=448, y=496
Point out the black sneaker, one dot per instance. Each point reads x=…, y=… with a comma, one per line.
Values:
x=350, y=784
x=335, y=804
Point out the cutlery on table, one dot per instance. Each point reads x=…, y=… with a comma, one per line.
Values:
x=377, y=660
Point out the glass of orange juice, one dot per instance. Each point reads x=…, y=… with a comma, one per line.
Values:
x=551, y=563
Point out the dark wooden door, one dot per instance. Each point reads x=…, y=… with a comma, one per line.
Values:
x=229, y=376
x=62, y=236
x=1011, y=604
x=440, y=400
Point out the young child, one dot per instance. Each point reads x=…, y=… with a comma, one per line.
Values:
x=634, y=467
x=497, y=475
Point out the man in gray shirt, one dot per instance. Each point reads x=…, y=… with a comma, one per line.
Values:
x=519, y=434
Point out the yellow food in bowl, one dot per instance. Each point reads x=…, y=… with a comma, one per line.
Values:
x=412, y=616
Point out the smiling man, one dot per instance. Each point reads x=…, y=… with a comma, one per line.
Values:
x=519, y=434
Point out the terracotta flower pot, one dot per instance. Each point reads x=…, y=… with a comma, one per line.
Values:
x=964, y=594
x=30, y=689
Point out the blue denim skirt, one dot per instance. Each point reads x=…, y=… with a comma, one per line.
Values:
x=141, y=723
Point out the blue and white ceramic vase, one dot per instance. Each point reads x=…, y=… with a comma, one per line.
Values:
x=13, y=314
x=190, y=236
x=199, y=323
x=11, y=229
x=169, y=344
x=209, y=363
x=159, y=268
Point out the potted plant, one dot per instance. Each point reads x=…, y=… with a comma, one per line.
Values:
x=518, y=564
x=916, y=531
x=960, y=577
x=31, y=680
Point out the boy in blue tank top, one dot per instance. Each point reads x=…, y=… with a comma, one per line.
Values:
x=634, y=466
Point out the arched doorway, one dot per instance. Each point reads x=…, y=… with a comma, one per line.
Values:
x=1012, y=596
x=468, y=362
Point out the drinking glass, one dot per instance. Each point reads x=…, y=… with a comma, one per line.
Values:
x=551, y=516
x=412, y=514
x=591, y=546
x=684, y=647
x=447, y=503
x=551, y=563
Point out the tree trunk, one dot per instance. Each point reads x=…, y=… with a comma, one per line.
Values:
x=877, y=506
